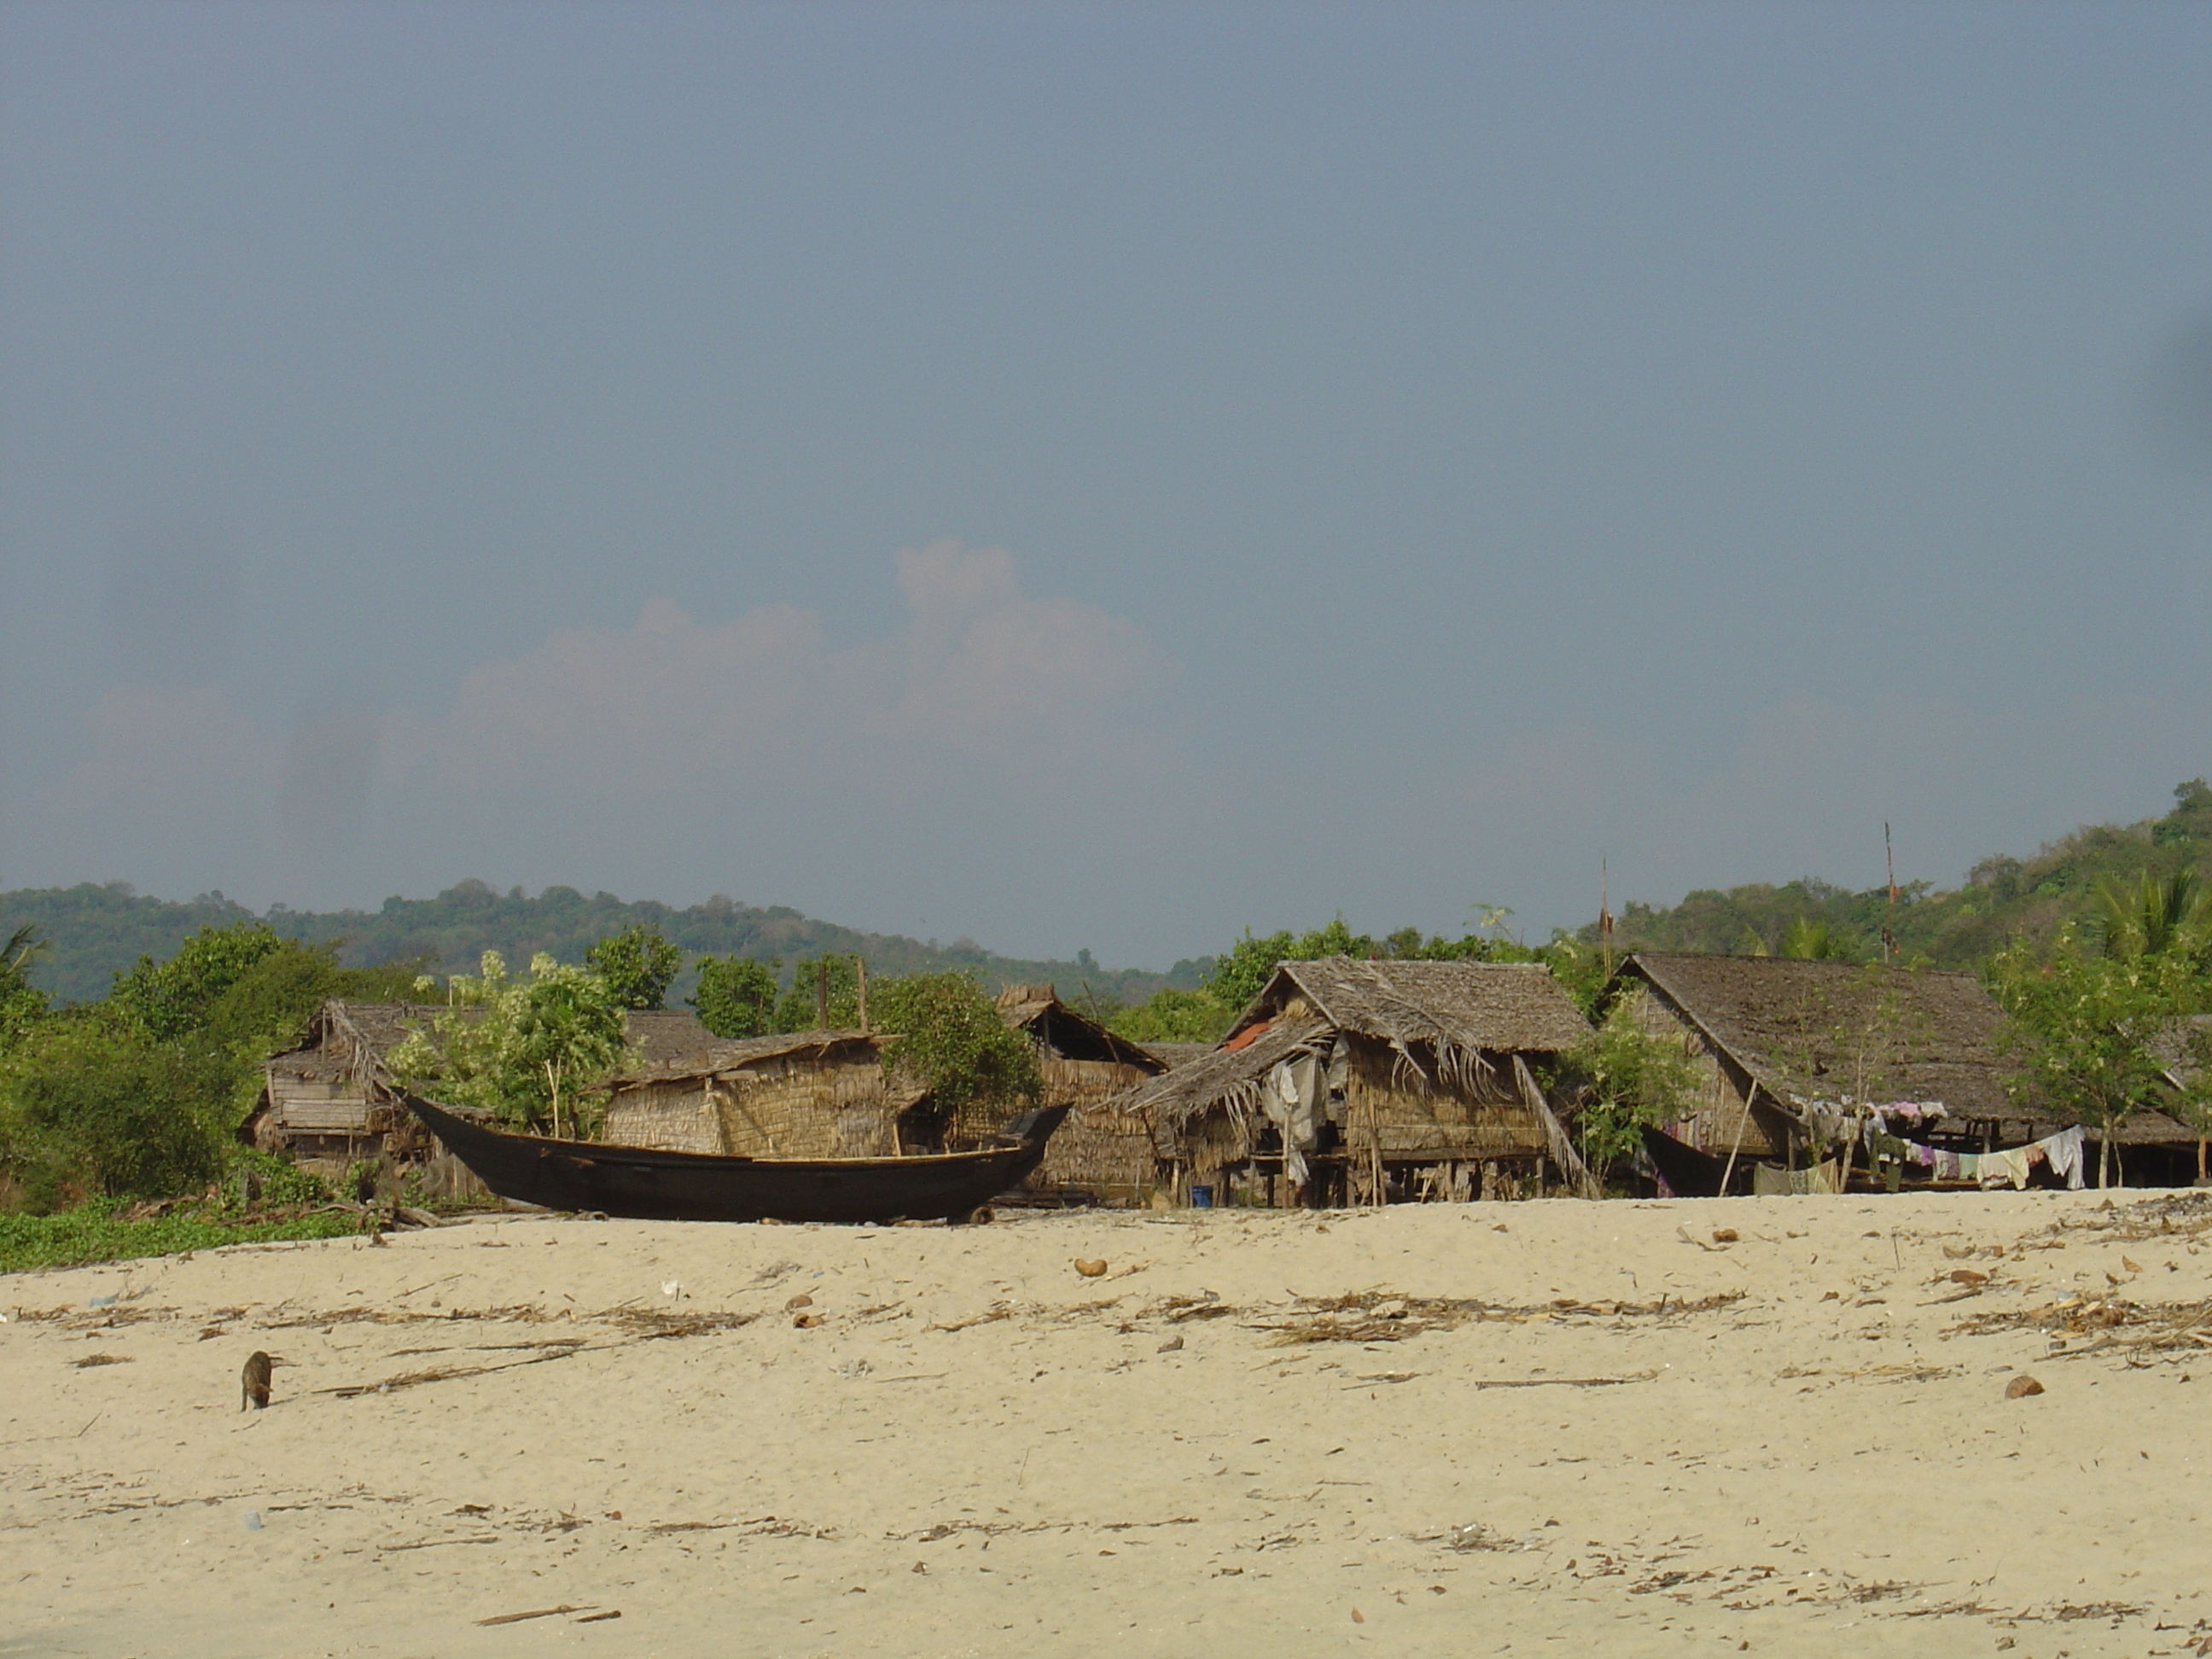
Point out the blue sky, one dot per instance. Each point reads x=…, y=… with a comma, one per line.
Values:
x=1095, y=475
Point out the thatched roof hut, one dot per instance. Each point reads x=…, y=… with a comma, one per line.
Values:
x=803, y=1094
x=1100, y=1153
x=330, y=1101
x=1790, y=1048
x=1350, y=1081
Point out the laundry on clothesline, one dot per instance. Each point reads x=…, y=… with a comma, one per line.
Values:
x=2010, y=1167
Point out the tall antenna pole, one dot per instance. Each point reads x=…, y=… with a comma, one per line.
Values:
x=1889, y=856
x=1604, y=918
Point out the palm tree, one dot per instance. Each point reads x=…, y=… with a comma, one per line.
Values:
x=24, y=946
x=2154, y=915
x=1812, y=941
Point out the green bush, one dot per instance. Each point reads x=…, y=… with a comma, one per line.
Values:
x=637, y=965
x=278, y=1183
x=87, y=1109
x=1172, y=1016
x=167, y=1000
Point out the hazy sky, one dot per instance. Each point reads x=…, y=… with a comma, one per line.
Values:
x=1097, y=476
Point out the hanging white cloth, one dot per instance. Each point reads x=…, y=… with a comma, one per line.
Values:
x=1293, y=1094
x=2064, y=1151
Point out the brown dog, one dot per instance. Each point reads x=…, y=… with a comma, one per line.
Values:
x=255, y=1377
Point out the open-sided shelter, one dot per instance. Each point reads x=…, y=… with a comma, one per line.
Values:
x=1791, y=1053
x=1365, y=1082
x=1100, y=1152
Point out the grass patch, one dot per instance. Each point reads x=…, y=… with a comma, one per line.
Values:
x=103, y=1231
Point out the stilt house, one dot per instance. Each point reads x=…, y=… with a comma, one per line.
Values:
x=1350, y=1082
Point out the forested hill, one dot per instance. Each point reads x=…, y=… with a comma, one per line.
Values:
x=92, y=931
x=1960, y=928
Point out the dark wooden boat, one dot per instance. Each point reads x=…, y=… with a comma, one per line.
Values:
x=644, y=1184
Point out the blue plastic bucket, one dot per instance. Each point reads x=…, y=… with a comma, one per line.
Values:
x=1201, y=1197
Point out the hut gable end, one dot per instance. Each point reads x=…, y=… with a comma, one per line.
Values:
x=1100, y=1152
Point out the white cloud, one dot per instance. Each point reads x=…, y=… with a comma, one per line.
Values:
x=980, y=670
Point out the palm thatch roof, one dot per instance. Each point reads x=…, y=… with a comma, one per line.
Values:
x=1809, y=1032
x=1059, y=1030
x=2176, y=1053
x=1836, y=1030
x=1172, y=1054
x=720, y=1056
x=1504, y=1007
x=1222, y=1077
x=1440, y=1017
x=664, y=1036
x=351, y=1039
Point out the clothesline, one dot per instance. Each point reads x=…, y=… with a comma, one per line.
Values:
x=1840, y=1120
x=2063, y=1151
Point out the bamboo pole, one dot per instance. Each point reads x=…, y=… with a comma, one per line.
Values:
x=1563, y=1150
x=1741, y=1124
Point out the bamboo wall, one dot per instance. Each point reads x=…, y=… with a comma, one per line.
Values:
x=1106, y=1153
x=797, y=1105
x=1388, y=1110
x=1723, y=1121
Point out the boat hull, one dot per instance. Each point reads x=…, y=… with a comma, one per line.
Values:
x=645, y=1184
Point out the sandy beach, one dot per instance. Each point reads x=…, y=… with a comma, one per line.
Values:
x=1539, y=1427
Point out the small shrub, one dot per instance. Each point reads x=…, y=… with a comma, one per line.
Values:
x=102, y=1232
x=278, y=1183
x=952, y=1041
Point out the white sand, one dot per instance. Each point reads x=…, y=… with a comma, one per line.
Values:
x=1802, y=1474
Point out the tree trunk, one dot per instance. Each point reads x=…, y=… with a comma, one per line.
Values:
x=2104, y=1159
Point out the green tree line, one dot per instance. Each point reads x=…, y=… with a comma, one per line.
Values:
x=94, y=931
x=142, y=1093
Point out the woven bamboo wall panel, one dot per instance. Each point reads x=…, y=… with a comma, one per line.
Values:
x=1723, y=1121
x=786, y=1107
